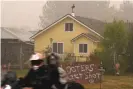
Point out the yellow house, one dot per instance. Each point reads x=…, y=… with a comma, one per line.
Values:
x=69, y=34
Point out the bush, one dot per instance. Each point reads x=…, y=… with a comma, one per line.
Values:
x=123, y=64
x=107, y=62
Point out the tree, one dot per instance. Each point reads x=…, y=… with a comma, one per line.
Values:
x=130, y=49
x=54, y=10
x=115, y=37
x=48, y=14
x=115, y=41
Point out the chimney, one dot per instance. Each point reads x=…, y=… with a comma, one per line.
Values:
x=73, y=14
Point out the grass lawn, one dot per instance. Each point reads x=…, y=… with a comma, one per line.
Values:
x=113, y=82
x=109, y=82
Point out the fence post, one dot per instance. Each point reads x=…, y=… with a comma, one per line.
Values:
x=20, y=59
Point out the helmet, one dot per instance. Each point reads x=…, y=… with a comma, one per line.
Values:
x=37, y=60
x=53, y=59
x=37, y=56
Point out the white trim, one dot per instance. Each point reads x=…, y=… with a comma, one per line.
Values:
x=97, y=41
x=65, y=27
x=79, y=51
x=57, y=46
x=85, y=36
x=13, y=34
x=89, y=38
x=74, y=48
x=93, y=46
x=29, y=43
x=63, y=19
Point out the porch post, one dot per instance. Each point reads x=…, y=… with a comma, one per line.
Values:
x=74, y=50
x=20, y=59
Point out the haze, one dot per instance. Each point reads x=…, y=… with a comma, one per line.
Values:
x=25, y=14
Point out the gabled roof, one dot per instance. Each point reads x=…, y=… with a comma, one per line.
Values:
x=80, y=20
x=88, y=36
x=94, y=24
x=13, y=33
x=6, y=35
x=33, y=32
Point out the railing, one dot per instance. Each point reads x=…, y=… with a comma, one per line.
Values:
x=72, y=57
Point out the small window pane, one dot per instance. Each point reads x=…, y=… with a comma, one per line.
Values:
x=60, y=48
x=85, y=48
x=80, y=48
x=66, y=27
x=55, y=47
x=71, y=26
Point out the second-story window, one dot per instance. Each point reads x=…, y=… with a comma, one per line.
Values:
x=68, y=26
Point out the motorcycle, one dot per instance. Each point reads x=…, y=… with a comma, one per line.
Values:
x=68, y=84
x=10, y=81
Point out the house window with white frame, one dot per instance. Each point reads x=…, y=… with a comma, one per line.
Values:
x=83, y=48
x=58, y=48
x=68, y=26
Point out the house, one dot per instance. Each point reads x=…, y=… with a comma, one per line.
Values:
x=16, y=47
x=70, y=34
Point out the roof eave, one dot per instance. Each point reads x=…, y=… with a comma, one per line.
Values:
x=68, y=15
x=73, y=40
x=54, y=23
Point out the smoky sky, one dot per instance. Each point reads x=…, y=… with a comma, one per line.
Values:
x=25, y=14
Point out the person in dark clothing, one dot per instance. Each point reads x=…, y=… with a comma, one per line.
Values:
x=74, y=85
x=53, y=63
x=10, y=81
x=9, y=78
x=38, y=76
x=38, y=79
x=59, y=75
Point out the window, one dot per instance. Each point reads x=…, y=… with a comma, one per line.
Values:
x=58, y=48
x=83, y=48
x=68, y=26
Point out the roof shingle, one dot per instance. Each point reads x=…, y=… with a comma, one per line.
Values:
x=94, y=24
